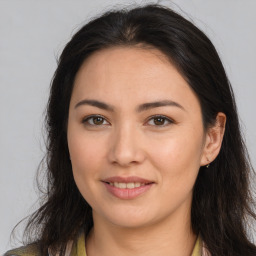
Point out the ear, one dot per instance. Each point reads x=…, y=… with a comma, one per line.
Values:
x=213, y=140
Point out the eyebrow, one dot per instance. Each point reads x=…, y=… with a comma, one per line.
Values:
x=140, y=108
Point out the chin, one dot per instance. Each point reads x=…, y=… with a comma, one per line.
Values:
x=129, y=218
x=130, y=223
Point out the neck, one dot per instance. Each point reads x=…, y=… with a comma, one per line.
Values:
x=170, y=237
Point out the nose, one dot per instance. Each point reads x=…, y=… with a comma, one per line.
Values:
x=126, y=147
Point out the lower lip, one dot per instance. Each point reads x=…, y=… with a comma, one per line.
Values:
x=127, y=193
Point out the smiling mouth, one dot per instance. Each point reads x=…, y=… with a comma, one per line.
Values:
x=127, y=191
x=129, y=185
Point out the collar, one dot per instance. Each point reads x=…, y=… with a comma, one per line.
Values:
x=78, y=248
x=197, y=251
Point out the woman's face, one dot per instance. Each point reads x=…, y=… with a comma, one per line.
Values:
x=135, y=136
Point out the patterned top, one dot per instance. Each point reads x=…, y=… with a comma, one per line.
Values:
x=78, y=249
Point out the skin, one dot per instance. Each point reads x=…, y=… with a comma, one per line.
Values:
x=130, y=143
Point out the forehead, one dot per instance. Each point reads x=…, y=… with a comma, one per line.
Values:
x=138, y=73
x=132, y=60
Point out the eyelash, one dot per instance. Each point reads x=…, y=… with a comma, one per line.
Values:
x=170, y=121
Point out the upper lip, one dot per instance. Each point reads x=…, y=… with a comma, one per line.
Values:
x=126, y=179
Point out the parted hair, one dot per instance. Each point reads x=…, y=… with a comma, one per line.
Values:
x=222, y=201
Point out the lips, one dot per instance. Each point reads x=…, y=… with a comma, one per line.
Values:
x=133, y=179
x=127, y=187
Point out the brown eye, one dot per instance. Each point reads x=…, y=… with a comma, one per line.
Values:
x=160, y=121
x=95, y=121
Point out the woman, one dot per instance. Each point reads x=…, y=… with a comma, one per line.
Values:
x=145, y=155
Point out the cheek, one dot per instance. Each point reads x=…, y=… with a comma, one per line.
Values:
x=179, y=155
x=86, y=158
x=86, y=153
x=177, y=162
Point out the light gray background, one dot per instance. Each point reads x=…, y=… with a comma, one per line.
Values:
x=33, y=33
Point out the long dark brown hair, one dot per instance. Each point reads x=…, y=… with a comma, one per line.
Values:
x=222, y=203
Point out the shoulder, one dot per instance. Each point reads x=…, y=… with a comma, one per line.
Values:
x=29, y=250
x=74, y=248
